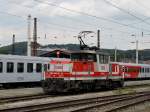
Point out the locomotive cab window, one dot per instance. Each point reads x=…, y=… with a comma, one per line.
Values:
x=29, y=67
x=10, y=67
x=1, y=67
x=103, y=59
x=83, y=57
x=20, y=67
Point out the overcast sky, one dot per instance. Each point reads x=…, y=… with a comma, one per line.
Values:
x=62, y=20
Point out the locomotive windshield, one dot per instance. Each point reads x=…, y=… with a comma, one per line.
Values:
x=103, y=59
x=83, y=57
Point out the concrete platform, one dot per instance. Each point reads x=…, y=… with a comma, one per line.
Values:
x=131, y=83
x=20, y=92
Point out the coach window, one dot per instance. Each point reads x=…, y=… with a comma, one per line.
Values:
x=1, y=67
x=38, y=67
x=48, y=66
x=29, y=67
x=10, y=67
x=20, y=67
x=126, y=69
x=147, y=70
x=142, y=70
x=45, y=67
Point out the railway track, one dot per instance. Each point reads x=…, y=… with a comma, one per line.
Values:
x=114, y=105
x=84, y=105
x=22, y=98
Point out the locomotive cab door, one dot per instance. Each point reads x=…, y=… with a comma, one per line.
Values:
x=114, y=70
x=102, y=63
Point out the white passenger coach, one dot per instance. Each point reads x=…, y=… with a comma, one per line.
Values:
x=15, y=69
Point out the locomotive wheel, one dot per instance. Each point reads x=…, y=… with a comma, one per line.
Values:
x=118, y=84
x=109, y=84
x=45, y=86
x=121, y=83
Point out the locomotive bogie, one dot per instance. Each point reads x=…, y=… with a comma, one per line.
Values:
x=57, y=85
x=60, y=85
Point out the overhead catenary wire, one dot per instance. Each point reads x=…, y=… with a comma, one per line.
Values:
x=148, y=18
x=102, y=27
x=48, y=24
x=65, y=26
x=61, y=25
x=127, y=12
x=67, y=9
x=10, y=14
x=87, y=14
x=143, y=6
x=88, y=24
x=77, y=20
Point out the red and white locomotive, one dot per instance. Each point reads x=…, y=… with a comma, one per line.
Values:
x=85, y=70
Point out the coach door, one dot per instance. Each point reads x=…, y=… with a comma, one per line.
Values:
x=122, y=69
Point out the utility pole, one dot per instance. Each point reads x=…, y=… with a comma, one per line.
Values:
x=35, y=38
x=29, y=36
x=98, y=39
x=137, y=54
x=115, y=54
x=13, y=44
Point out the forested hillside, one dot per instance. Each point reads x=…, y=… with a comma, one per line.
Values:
x=21, y=49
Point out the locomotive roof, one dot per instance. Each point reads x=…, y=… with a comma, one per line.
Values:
x=69, y=52
x=89, y=51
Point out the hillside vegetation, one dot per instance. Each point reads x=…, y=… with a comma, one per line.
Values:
x=21, y=49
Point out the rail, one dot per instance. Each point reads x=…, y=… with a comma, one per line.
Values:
x=82, y=105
